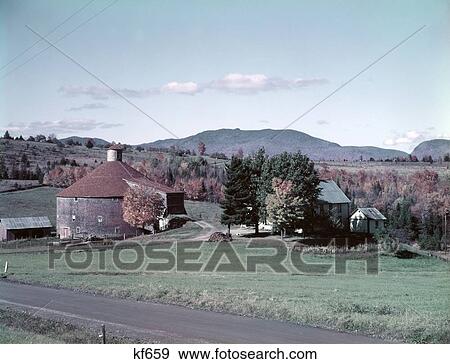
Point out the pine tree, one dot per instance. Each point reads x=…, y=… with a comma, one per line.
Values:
x=6, y=135
x=89, y=144
x=256, y=201
x=235, y=198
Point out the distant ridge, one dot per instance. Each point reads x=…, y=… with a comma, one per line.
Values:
x=229, y=141
x=82, y=140
x=437, y=148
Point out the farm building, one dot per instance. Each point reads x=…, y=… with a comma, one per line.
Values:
x=24, y=227
x=92, y=206
x=366, y=220
x=333, y=201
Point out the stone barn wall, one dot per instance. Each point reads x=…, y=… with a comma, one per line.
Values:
x=82, y=217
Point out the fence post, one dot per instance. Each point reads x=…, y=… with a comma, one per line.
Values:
x=103, y=335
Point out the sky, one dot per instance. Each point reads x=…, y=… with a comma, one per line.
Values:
x=182, y=67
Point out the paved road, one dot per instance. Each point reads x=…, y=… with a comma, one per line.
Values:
x=168, y=322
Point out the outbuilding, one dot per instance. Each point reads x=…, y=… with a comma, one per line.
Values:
x=332, y=201
x=15, y=228
x=366, y=220
x=92, y=206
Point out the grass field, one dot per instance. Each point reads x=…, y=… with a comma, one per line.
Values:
x=206, y=211
x=35, y=202
x=407, y=301
x=10, y=335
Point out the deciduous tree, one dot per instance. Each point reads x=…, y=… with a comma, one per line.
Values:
x=142, y=206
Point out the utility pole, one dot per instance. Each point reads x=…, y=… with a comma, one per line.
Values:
x=445, y=229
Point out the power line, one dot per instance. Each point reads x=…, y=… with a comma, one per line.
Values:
x=50, y=32
x=59, y=39
x=103, y=82
x=349, y=80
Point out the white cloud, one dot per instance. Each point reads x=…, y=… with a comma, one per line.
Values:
x=413, y=137
x=253, y=83
x=406, y=138
x=62, y=126
x=92, y=106
x=231, y=83
x=103, y=93
x=322, y=122
x=188, y=88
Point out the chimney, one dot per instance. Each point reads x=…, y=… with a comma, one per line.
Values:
x=114, y=153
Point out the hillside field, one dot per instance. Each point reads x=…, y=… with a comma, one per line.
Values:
x=39, y=201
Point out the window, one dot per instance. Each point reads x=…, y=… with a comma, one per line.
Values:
x=100, y=219
x=376, y=224
x=117, y=230
x=78, y=230
x=73, y=217
x=339, y=208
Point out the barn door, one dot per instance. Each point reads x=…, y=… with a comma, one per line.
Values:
x=65, y=233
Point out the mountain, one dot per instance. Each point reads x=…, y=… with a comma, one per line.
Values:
x=437, y=148
x=229, y=141
x=97, y=141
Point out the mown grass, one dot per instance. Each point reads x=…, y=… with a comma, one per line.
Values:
x=407, y=301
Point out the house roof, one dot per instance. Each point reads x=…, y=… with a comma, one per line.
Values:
x=371, y=213
x=331, y=193
x=110, y=179
x=15, y=223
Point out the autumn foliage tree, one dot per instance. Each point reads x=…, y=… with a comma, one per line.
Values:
x=201, y=148
x=284, y=208
x=142, y=206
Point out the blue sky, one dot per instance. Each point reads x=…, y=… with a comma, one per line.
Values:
x=198, y=65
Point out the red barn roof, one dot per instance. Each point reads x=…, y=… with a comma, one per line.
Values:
x=110, y=180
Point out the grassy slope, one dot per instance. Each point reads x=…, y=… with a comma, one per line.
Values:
x=22, y=327
x=207, y=211
x=407, y=301
x=10, y=335
x=36, y=202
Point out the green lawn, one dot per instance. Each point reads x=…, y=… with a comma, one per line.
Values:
x=407, y=301
x=207, y=211
x=35, y=202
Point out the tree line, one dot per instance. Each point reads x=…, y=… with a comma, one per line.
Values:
x=282, y=188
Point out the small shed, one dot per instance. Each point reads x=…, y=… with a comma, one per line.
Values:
x=24, y=227
x=366, y=220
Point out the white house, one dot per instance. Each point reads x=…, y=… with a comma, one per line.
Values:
x=366, y=220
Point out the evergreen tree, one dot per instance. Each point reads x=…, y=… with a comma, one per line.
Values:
x=89, y=144
x=235, y=195
x=253, y=181
x=6, y=135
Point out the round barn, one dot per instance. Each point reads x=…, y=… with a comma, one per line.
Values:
x=92, y=206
